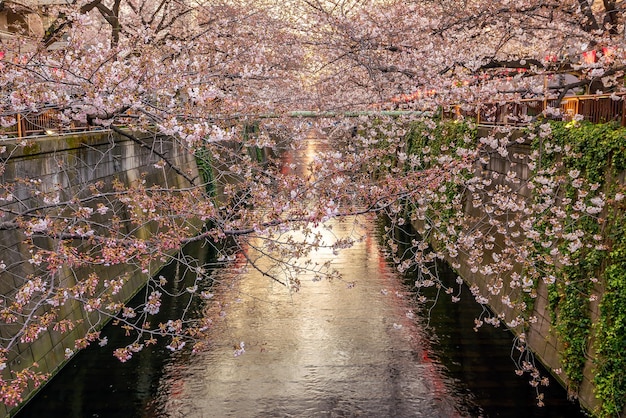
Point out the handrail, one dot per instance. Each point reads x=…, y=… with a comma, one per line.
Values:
x=596, y=108
x=45, y=122
x=48, y=122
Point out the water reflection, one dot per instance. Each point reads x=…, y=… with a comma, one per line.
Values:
x=335, y=348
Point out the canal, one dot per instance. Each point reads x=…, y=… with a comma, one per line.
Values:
x=355, y=346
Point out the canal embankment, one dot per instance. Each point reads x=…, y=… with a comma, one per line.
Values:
x=356, y=345
x=535, y=230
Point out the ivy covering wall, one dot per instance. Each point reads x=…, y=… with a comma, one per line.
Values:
x=598, y=153
x=566, y=224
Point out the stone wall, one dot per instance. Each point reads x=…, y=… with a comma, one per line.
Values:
x=74, y=162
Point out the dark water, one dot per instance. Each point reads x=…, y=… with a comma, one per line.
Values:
x=350, y=347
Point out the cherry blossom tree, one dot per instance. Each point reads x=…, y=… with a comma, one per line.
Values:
x=197, y=73
x=448, y=52
x=142, y=70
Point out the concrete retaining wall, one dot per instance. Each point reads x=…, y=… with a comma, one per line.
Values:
x=73, y=162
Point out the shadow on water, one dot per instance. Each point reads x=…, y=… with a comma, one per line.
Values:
x=480, y=364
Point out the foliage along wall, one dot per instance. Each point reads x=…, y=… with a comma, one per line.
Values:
x=537, y=230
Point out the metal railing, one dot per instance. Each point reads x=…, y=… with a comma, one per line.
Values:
x=46, y=122
x=598, y=108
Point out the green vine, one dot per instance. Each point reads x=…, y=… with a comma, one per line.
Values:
x=430, y=140
x=584, y=164
x=205, y=169
x=595, y=154
x=610, y=378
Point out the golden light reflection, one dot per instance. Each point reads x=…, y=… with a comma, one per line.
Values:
x=351, y=338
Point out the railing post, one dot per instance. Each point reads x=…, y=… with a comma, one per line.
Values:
x=19, y=125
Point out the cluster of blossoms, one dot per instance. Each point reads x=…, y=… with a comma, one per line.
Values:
x=181, y=71
x=513, y=222
x=154, y=302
